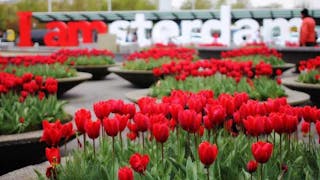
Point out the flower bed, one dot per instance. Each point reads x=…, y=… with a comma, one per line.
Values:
x=85, y=57
x=219, y=76
x=26, y=101
x=156, y=56
x=310, y=71
x=256, y=54
x=191, y=136
x=45, y=66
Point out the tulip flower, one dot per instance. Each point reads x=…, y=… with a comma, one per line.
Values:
x=53, y=155
x=139, y=162
x=102, y=109
x=252, y=166
x=52, y=133
x=129, y=109
x=81, y=116
x=161, y=133
x=262, y=151
x=51, y=85
x=305, y=127
x=125, y=173
x=111, y=127
x=92, y=128
x=207, y=154
x=54, y=158
x=189, y=120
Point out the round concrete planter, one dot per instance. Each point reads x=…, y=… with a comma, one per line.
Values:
x=64, y=84
x=19, y=150
x=98, y=71
x=140, y=78
x=312, y=89
x=294, y=97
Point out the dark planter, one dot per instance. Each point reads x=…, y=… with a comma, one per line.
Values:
x=294, y=97
x=139, y=78
x=64, y=84
x=98, y=71
x=20, y=150
x=312, y=89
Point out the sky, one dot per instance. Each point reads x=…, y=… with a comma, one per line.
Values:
x=258, y=3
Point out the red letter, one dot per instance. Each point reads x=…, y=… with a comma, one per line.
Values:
x=99, y=26
x=75, y=28
x=58, y=34
x=25, y=28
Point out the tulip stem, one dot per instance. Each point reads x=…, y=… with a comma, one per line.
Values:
x=142, y=141
x=274, y=138
x=280, y=151
x=65, y=147
x=261, y=170
x=121, y=140
x=84, y=142
x=310, y=137
x=250, y=176
x=208, y=175
x=94, y=148
x=195, y=141
x=162, y=152
x=112, y=146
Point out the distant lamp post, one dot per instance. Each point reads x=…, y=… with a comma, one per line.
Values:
x=49, y=5
x=109, y=5
x=193, y=4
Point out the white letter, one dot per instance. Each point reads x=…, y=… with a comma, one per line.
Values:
x=141, y=24
x=120, y=29
x=247, y=28
x=164, y=31
x=269, y=34
x=187, y=34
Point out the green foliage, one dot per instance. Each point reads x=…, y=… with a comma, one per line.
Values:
x=273, y=60
x=32, y=110
x=263, y=88
x=141, y=64
x=309, y=77
x=56, y=70
x=91, y=60
x=181, y=159
x=199, y=4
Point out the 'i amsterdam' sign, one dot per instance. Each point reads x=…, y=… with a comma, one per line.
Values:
x=245, y=30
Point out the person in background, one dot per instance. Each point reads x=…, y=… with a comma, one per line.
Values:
x=307, y=31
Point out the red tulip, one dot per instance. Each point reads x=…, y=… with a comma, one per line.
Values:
x=116, y=106
x=216, y=114
x=262, y=151
x=254, y=125
x=129, y=109
x=52, y=133
x=305, y=127
x=123, y=121
x=67, y=130
x=139, y=162
x=102, y=109
x=51, y=85
x=92, y=128
x=161, y=132
x=81, y=116
x=141, y=121
x=125, y=173
x=189, y=120
x=174, y=110
x=252, y=166
x=111, y=126
x=53, y=155
x=207, y=153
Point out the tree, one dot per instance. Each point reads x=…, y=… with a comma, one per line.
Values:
x=199, y=4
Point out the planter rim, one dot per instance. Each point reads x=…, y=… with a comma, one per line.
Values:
x=80, y=77
x=294, y=97
x=285, y=65
x=293, y=82
x=94, y=66
x=119, y=69
x=25, y=137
